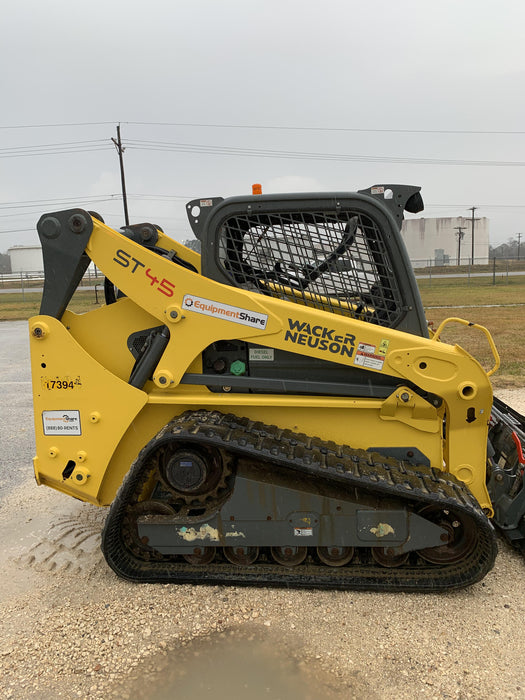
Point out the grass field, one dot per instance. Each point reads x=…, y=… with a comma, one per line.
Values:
x=500, y=308
x=18, y=306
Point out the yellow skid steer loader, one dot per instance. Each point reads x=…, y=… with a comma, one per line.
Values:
x=272, y=411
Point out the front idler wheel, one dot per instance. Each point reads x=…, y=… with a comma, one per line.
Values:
x=459, y=539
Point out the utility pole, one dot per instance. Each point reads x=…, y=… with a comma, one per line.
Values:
x=460, y=233
x=120, y=151
x=472, y=209
x=519, y=235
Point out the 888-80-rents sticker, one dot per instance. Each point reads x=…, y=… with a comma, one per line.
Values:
x=61, y=422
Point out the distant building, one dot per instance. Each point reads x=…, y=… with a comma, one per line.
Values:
x=29, y=259
x=434, y=242
x=26, y=258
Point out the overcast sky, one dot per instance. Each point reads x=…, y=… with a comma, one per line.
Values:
x=213, y=96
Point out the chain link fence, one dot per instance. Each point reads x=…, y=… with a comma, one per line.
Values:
x=490, y=270
x=484, y=270
x=26, y=281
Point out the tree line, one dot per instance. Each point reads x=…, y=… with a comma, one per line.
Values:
x=512, y=249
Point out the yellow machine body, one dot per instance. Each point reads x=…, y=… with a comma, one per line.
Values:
x=81, y=364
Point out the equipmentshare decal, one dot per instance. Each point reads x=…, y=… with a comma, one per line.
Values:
x=320, y=338
x=61, y=422
x=216, y=309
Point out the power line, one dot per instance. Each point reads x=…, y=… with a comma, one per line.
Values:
x=186, y=197
x=210, y=149
x=485, y=206
x=273, y=127
x=91, y=199
x=47, y=126
x=18, y=230
x=54, y=145
x=300, y=155
x=328, y=129
x=55, y=151
x=56, y=203
x=152, y=197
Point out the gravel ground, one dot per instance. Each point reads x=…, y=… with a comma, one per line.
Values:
x=70, y=628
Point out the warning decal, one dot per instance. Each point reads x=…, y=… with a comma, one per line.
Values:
x=383, y=347
x=367, y=356
x=303, y=532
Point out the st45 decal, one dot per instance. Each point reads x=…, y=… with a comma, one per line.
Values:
x=125, y=259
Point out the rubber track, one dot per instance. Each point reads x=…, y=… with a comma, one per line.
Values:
x=325, y=460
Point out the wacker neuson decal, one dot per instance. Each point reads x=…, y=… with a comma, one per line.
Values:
x=216, y=309
x=320, y=338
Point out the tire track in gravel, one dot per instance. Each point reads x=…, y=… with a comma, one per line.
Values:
x=70, y=544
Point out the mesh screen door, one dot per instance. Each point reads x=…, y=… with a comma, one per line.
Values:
x=336, y=262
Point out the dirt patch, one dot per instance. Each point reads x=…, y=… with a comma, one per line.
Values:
x=70, y=628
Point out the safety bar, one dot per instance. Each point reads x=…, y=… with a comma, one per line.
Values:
x=469, y=324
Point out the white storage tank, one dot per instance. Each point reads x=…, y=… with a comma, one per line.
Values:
x=26, y=258
x=435, y=241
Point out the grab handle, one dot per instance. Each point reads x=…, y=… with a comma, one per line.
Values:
x=484, y=330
